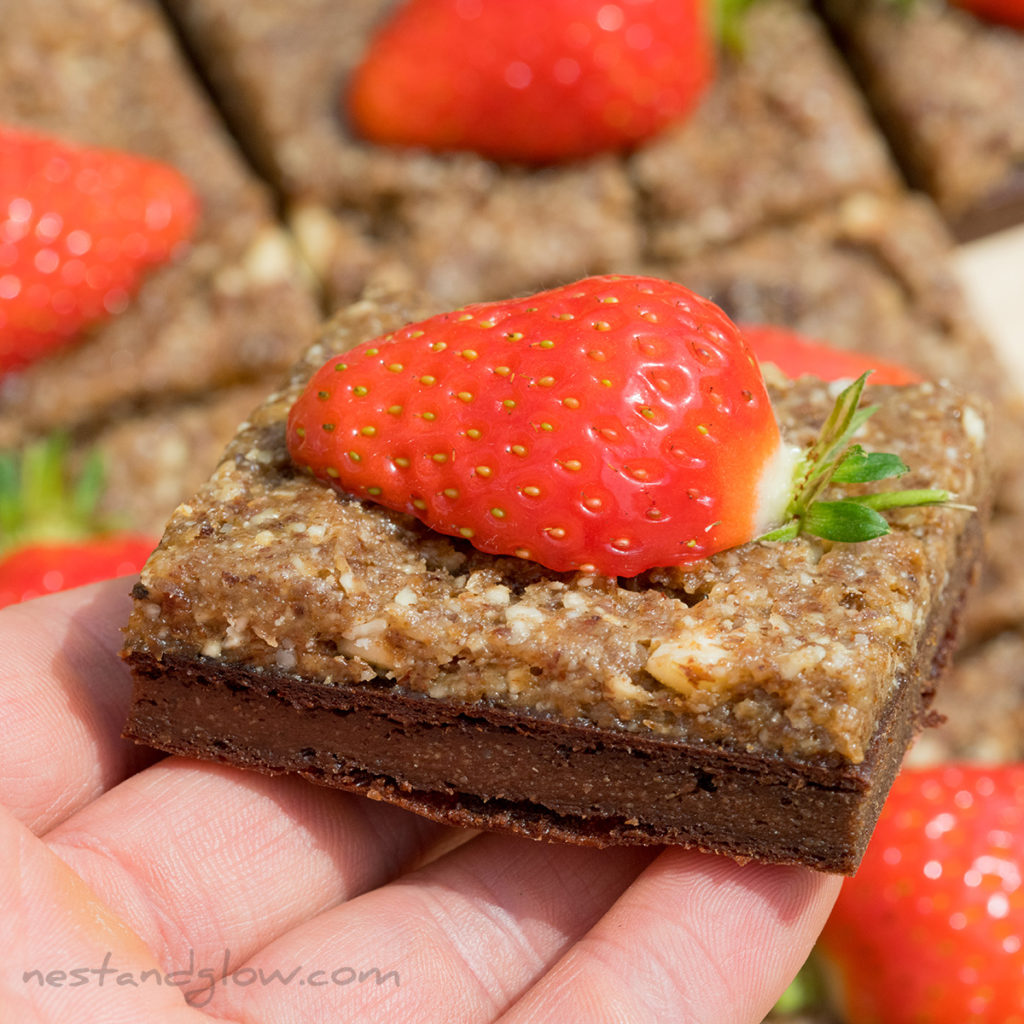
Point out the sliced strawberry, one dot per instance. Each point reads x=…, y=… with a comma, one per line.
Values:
x=79, y=228
x=612, y=425
x=51, y=537
x=533, y=82
x=796, y=356
x=931, y=929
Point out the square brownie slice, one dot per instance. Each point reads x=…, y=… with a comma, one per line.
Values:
x=756, y=704
x=459, y=226
x=237, y=306
x=948, y=88
x=781, y=131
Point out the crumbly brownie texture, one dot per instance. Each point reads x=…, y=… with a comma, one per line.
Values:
x=959, y=133
x=153, y=460
x=873, y=273
x=782, y=131
x=467, y=230
x=236, y=306
x=757, y=704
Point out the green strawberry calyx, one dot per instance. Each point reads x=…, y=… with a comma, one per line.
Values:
x=834, y=458
x=728, y=23
x=42, y=501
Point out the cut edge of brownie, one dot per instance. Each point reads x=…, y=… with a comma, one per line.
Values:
x=545, y=779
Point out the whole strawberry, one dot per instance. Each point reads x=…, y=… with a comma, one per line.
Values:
x=612, y=425
x=931, y=929
x=79, y=228
x=1006, y=12
x=50, y=566
x=796, y=355
x=531, y=82
x=51, y=537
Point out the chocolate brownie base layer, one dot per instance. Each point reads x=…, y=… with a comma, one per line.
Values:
x=482, y=766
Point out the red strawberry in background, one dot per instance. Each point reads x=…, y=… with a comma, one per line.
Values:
x=46, y=568
x=50, y=535
x=796, y=355
x=612, y=425
x=79, y=228
x=531, y=82
x=1006, y=12
x=931, y=929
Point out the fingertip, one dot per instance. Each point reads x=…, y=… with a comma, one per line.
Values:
x=785, y=894
x=761, y=920
x=67, y=690
x=106, y=602
x=695, y=937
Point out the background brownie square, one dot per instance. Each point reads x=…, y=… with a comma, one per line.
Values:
x=109, y=73
x=776, y=136
x=233, y=309
x=948, y=87
x=782, y=133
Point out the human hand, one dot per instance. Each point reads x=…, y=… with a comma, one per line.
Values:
x=139, y=888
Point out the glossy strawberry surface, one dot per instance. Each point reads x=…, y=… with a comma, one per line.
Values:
x=532, y=82
x=931, y=929
x=45, y=568
x=613, y=425
x=79, y=228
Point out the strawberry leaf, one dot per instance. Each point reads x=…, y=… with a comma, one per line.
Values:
x=861, y=467
x=835, y=459
x=789, y=530
x=845, y=521
x=843, y=422
x=87, y=489
x=820, y=462
x=10, y=511
x=902, y=499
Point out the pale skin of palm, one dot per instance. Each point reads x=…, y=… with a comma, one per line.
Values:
x=136, y=887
